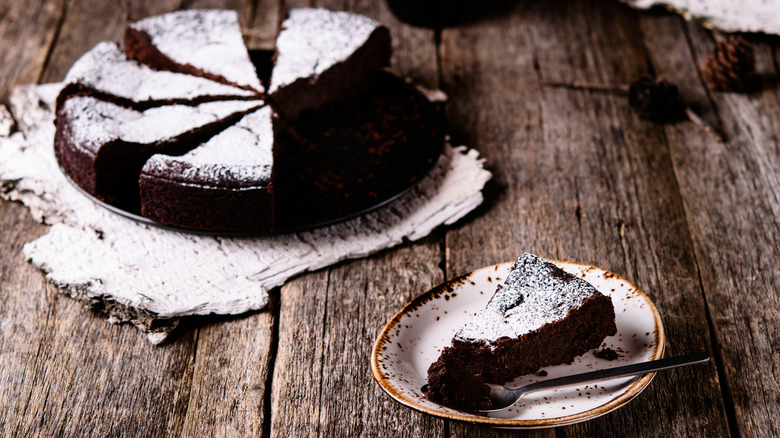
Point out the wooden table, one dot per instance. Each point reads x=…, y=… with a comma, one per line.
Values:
x=577, y=176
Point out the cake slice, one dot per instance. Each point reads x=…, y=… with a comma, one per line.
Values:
x=322, y=56
x=205, y=43
x=223, y=184
x=103, y=146
x=106, y=73
x=540, y=316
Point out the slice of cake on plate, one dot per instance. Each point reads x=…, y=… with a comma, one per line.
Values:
x=102, y=146
x=322, y=56
x=540, y=316
x=223, y=184
x=106, y=73
x=205, y=43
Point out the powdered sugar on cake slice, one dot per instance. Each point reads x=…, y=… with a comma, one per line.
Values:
x=106, y=69
x=240, y=156
x=87, y=118
x=95, y=122
x=314, y=40
x=169, y=121
x=535, y=293
x=208, y=40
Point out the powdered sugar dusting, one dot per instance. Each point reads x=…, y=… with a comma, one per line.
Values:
x=313, y=40
x=94, y=122
x=105, y=68
x=166, y=122
x=209, y=40
x=239, y=156
x=536, y=292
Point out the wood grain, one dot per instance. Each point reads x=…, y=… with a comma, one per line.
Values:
x=27, y=30
x=579, y=177
x=731, y=193
x=80, y=31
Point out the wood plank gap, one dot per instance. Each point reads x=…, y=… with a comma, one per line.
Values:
x=719, y=127
x=728, y=400
x=275, y=308
x=437, y=44
x=193, y=360
x=54, y=40
x=648, y=58
x=322, y=344
x=578, y=209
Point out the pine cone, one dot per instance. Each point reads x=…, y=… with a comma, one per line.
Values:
x=728, y=67
x=656, y=100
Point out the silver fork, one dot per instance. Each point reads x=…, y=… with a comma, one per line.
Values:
x=504, y=397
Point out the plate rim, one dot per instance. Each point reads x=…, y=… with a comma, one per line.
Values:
x=633, y=390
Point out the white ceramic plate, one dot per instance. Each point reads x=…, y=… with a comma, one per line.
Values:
x=415, y=336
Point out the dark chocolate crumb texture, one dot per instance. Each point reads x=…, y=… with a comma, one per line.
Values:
x=540, y=316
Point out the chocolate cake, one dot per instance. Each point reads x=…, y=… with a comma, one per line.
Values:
x=223, y=184
x=357, y=152
x=175, y=133
x=103, y=146
x=322, y=56
x=206, y=43
x=540, y=316
x=105, y=72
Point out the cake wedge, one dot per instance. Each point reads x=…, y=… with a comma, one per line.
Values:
x=540, y=316
x=106, y=73
x=323, y=56
x=206, y=43
x=223, y=184
x=102, y=146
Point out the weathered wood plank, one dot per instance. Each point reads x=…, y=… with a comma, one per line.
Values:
x=579, y=177
x=230, y=376
x=731, y=193
x=328, y=321
x=24, y=307
x=80, y=31
x=26, y=34
x=88, y=378
x=96, y=380
x=27, y=30
x=264, y=25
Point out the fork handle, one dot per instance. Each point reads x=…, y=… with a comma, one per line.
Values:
x=628, y=370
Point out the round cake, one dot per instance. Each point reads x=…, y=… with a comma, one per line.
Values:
x=177, y=127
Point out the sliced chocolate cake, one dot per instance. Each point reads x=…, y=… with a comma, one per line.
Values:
x=139, y=130
x=223, y=184
x=106, y=73
x=322, y=56
x=103, y=146
x=541, y=316
x=206, y=43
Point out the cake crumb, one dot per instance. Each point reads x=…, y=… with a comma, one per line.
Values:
x=607, y=354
